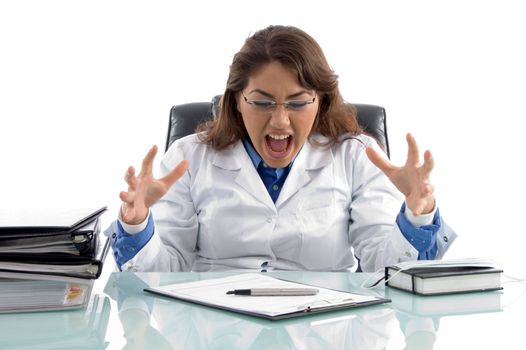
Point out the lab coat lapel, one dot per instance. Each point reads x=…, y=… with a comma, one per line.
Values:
x=307, y=165
x=237, y=160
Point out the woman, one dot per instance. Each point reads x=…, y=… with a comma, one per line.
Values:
x=282, y=180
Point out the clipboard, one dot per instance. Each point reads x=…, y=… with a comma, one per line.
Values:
x=212, y=293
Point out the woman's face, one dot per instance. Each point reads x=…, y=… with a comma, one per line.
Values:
x=277, y=131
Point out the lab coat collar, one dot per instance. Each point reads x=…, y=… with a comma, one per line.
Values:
x=236, y=160
x=308, y=164
x=310, y=160
x=232, y=158
x=312, y=156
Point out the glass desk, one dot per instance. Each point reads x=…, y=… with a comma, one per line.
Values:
x=120, y=315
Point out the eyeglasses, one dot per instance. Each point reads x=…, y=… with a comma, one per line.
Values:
x=271, y=105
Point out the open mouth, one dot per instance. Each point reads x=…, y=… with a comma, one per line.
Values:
x=278, y=146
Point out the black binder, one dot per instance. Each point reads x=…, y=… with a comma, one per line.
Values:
x=63, y=242
x=82, y=241
x=89, y=267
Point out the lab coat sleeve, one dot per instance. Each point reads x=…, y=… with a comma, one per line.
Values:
x=173, y=244
x=373, y=231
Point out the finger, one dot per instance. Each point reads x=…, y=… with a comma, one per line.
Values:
x=412, y=150
x=147, y=162
x=130, y=178
x=379, y=161
x=175, y=174
x=129, y=174
x=127, y=197
x=427, y=190
x=429, y=163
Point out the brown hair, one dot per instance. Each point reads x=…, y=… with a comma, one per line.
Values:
x=298, y=51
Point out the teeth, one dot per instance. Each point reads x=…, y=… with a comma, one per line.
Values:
x=279, y=137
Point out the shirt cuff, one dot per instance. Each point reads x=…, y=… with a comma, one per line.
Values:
x=126, y=246
x=134, y=229
x=419, y=220
x=423, y=238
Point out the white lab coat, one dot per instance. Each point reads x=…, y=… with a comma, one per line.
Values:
x=220, y=216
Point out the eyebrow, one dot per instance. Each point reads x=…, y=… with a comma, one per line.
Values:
x=264, y=93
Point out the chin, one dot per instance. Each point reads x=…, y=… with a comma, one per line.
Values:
x=278, y=163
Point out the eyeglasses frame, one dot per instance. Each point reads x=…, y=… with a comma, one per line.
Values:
x=276, y=104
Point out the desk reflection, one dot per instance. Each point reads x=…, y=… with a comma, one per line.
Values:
x=162, y=323
x=157, y=322
x=419, y=316
x=71, y=329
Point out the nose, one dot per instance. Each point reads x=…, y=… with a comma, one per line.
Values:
x=280, y=117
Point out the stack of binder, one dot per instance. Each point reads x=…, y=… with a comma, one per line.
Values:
x=49, y=259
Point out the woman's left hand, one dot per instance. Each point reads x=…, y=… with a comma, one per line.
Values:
x=412, y=179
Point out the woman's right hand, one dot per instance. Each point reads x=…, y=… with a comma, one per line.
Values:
x=144, y=190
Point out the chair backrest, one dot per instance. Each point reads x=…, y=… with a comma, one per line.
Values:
x=184, y=119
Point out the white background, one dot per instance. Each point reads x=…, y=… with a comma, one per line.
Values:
x=86, y=88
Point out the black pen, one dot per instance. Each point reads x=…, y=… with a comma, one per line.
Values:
x=274, y=291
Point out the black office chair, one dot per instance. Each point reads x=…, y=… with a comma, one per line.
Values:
x=184, y=119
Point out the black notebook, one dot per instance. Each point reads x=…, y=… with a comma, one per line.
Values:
x=444, y=277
